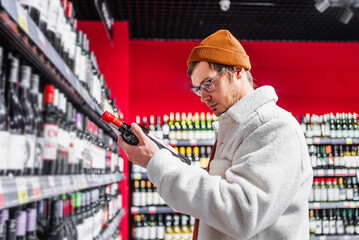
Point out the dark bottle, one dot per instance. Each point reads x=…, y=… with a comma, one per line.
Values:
x=62, y=150
x=4, y=126
x=51, y=130
x=52, y=24
x=130, y=138
x=55, y=230
x=39, y=123
x=81, y=140
x=33, y=8
x=31, y=215
x=158, y=128
x=20, y=216
x=29, y=120
x=71, y=133
x=330, y=157
x=17, y=142
x=4, y=217
x=11, y=225
x=44, y=16
x=165, y=127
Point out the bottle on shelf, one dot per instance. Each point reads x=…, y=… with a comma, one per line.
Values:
x=4, y=126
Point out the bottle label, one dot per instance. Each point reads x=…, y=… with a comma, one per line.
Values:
x=51, y=132
x=72, y=148
x=31, y=220
x=38, y=152
x=44, y=9
x=160, y=232
x=318, y=227
x=30, y=146
x=52, y=15
x=4, y=145
x=136, y=198
x=17, y=152
x=20, y=223
x=340, y=227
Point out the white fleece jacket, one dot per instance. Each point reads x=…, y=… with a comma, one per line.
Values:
x=259, y=180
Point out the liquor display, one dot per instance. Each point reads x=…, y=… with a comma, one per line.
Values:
x=130, y=138
x=77, y=215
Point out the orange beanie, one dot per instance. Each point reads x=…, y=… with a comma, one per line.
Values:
x=223, y=48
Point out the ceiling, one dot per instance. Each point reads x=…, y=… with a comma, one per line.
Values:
x=273, y=20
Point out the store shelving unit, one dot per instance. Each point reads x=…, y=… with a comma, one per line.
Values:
x=334, y=237
x=152, y=210
x=332, y=141
x=111, y=228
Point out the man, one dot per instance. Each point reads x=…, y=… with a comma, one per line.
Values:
x=260, y=177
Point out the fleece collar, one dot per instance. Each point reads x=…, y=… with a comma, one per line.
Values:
x=247, y=105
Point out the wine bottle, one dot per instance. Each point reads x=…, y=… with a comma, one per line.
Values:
x=31, y=216
x=29, y=120
x=44, y=16
x=20, y=216
x=53, y=9
x=158, y=128
x=4, y=126
x=17, y=141
x=11, y=225
x=130, y=138
x=39, y=122
x=165, y=127
x=4, y=216
x=71, y=134
x=51, y=130
x=33, y=8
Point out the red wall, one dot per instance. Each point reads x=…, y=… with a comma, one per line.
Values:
x=308, y=77
x=113, y=61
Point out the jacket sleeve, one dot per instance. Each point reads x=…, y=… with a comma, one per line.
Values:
x=263, y=179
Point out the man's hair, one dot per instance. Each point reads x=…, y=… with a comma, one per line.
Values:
x=229, y=70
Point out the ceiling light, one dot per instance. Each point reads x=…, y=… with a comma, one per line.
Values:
x=322, y=5
x=346, y=16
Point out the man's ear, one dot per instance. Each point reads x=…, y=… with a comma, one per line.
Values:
x=239, y=72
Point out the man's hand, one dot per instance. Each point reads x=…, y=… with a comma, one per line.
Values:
x=143, y=151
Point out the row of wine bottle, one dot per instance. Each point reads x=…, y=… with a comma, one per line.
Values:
x=50, y=139
x=341, y=125
x=334, y=222
x=199, y=156
x=145, y=194
x=334, y=157
x=55, y=19
x=78, y=215
x=168, y=227
x=334, y=189
x=180, y=126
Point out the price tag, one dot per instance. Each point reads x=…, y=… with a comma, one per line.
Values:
x=353, y=205
x=173, y=142
x=21, y=190
x=320, y=172
x=346, y=204
x=66, y=183
x=175, y=211
x=349, y=141
x=36, y=189
x=1, y=195
x=22, y=20
x=83, y=181
x=152, y=210
x=330, y=172
x=345, y=172
x=137, y=176
x=135, y=210
x=52, y=184
x=193, y=142
x=338, y=172
x=352, y=172
x=309, y=141
x=42, y=40
x=316, y=205
x=346, y=237
x=322, y=238
x=316, y=141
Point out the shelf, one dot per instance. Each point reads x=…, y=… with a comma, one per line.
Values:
x=336, y=237
x=332, y=141
x=333, y=205
x=193, y=142
x=152, y=210
x=35, y=47
x=335, y=172
x=139, y=176
x=21, y=190
x=112, y=227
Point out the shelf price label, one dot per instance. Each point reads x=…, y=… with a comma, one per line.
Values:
x=135, y=210
x=316, y=141
x=309, y=141
x=41, y=40
x=21, y=17
x=349, y=141
x=330, y=172
x=316, y=205
x=36, y=189
x=322, y=238
x=1, y=195
x=152, y=210
x=137, y=176
x=21, y=190
x=65, y=180
x=320, y=172
x=52, y=184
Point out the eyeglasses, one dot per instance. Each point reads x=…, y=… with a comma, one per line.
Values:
x=207, y=86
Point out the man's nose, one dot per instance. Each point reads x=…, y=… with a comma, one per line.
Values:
x=205, y=96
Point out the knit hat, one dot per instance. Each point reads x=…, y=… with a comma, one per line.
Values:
x=221, y=47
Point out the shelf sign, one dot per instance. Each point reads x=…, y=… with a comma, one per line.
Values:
x=22, y=190
x=106, y=16
x=1, y=195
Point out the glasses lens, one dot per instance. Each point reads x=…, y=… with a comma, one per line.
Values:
x=208, y=87
x=196, y=91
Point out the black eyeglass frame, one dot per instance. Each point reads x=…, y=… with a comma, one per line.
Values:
x=205, y=86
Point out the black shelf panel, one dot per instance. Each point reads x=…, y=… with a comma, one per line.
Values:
x=333, y=205
x=152, y=210
x=21, y=190
x=192, y=142
x=335, y=172
x=336, y=237
x=332, y=141
x=45, y=58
